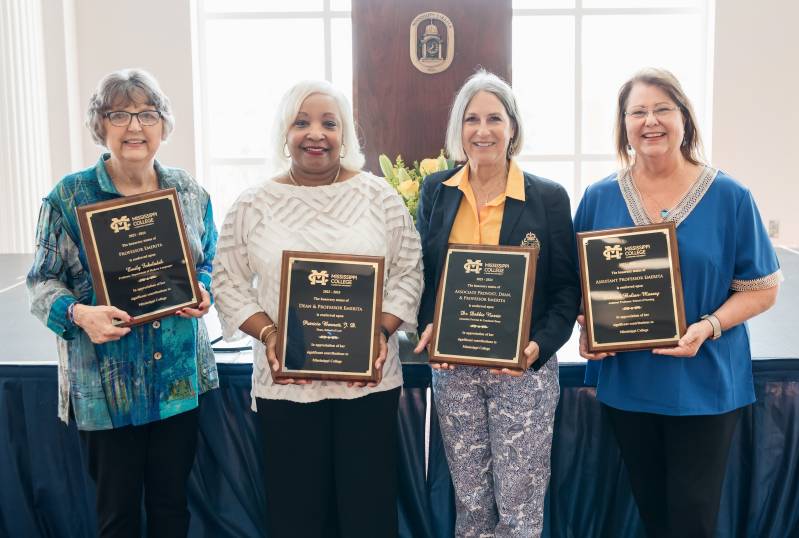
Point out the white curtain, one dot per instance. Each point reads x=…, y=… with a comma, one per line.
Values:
x=24, y=140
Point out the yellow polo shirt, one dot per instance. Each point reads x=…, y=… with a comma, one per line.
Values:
x=483, y=228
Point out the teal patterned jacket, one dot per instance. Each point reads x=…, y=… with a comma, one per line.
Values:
x=120, y=383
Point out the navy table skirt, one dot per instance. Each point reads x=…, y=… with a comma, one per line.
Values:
x=45, y=490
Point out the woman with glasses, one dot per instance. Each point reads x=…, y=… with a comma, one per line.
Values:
x=674, y=410
x=497, y=424
x=329, y=447
x=133, y=391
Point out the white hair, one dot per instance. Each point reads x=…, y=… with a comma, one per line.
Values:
x=482, y=81
x=287, y=110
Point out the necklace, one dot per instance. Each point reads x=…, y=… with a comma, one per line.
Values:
x=482, y=197
x=294, y=180
x=664, y=211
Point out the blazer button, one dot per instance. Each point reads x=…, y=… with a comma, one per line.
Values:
x=157, y=355
x=156, y=324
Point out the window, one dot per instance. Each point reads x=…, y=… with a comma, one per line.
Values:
x=569, y=59
x=250, y=52
x=571, y=56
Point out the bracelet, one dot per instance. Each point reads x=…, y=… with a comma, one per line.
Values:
x=71, y=312
x=715, y=323
x=261, y=337
x=385, y=332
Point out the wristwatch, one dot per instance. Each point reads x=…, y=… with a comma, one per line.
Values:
x=714, y=321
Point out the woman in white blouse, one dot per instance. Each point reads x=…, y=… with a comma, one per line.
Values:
x=329, y=447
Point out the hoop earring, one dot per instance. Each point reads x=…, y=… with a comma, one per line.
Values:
x=343, y=152
x=286, y=152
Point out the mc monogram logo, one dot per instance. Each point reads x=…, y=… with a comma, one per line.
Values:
x=121, y=224
x=318, y=277
x=473, y=266
x=612, y=253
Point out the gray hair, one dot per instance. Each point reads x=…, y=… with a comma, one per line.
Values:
x=121, y=88
x=482, y=81
x=287, y=110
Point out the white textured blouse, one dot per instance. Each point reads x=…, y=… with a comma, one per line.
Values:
x=360, y=216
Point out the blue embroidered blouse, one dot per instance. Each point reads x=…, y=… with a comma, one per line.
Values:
x=723, y=248
x=158, y=369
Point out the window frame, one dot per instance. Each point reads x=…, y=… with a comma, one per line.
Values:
x=705, y=11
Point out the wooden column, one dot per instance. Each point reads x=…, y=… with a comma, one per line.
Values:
x=399, y=109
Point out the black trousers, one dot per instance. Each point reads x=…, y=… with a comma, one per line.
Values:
x=331, y=466
x=676, y=466
x=154, y=459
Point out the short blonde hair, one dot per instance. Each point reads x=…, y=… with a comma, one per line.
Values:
x=287, y=110
x=691, y=146
x=482, y=81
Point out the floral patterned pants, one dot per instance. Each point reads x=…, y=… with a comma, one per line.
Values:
x=497, y=433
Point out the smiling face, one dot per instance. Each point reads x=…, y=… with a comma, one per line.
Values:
x=134, y=143
x=660, y=132
x=487, y=130
x=314, y=139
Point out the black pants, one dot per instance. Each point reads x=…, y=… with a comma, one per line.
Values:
x=331, y=467
x=153, y=458
x=676, y=466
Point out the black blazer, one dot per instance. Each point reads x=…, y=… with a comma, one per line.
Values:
x=546, y=213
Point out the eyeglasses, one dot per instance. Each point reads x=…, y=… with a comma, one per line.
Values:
x=660, y=112
x=121, y=118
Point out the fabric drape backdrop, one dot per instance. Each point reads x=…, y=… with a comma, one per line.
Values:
x=45, y=490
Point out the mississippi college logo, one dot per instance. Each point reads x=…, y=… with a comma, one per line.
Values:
x=121, y=224
x=473, y=266
x=318, y=277
x=612, y=253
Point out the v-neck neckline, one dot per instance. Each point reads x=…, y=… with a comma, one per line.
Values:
x=677, y=214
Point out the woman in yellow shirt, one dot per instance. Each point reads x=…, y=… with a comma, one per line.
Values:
x=497, y=424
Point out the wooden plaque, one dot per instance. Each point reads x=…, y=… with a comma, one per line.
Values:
x=632, y=287
x=138, y=255
x=484, y=306
x=329, y=319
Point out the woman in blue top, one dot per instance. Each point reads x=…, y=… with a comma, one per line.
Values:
x=674, y=410
x=132, y=391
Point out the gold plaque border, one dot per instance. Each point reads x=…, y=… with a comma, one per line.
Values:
x=444, y=65
x=525, y=314
x=289, y=257
x=86, y=226
x=669, y=229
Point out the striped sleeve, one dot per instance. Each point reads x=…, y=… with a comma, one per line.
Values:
x=235, y=296
x=404, y=276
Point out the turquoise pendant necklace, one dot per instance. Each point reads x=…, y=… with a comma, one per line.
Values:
x=664, y=213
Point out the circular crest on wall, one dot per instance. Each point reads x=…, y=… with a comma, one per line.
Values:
x=432, y=44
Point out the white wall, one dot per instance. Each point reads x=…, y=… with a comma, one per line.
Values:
x=109, y=35
x=756, y=112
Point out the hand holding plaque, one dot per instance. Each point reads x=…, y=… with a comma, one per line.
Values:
x=632, y=288
x=329, y=318
x=484, y=306
x=139, y=256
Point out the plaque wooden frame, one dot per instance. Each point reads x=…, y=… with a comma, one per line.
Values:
x=669, y=228
x=525, y=315
x=99, y=277
x=371, y=374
